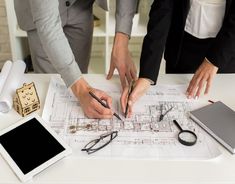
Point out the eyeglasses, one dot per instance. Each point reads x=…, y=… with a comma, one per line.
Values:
x=99, y=143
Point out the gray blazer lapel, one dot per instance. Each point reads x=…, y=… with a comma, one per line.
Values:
x=103, y=4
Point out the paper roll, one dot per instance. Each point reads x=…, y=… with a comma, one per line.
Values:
x=4, y=73
x=13, y=81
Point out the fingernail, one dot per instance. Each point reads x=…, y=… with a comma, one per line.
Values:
x=189, y=96
x=129, y=102
x=196, y=97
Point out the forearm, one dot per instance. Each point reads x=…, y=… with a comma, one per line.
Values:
x=121, y=40
x=53, y=40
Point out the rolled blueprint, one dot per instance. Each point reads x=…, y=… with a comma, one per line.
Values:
x=4, y=73
x=13, y=81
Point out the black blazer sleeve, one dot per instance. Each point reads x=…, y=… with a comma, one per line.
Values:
x=154, y=42
x=222, y=50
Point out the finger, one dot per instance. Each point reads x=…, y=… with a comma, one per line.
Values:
x=111, y=70
x=208, y=85
x=130, y=111
x=139, y=90
x=104, y=116
x=192, y=83
x=193, y=90
x=123, y=79
x=193, y=80
x=91, y=113
x=194, y=86
x=101, y=109
x=109, y=102
x=96, y=115
x=106, y=98
x=132, y=99
x=123, y=99
x=200, y=87
x=133, y=74
x=190, y=86
x=129, y=77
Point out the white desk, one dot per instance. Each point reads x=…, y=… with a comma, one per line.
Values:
x=102, y=171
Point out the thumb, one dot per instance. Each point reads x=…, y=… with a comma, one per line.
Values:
x=111, y=70
x=137, y=92
x=132, y=98
x=123, y=99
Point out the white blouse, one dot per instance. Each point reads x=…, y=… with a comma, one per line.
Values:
x=205, y=18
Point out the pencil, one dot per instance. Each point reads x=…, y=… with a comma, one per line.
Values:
x=103, y=104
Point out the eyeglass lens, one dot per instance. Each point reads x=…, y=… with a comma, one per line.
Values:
x=101, y=142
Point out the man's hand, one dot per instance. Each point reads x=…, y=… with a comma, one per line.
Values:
x=121, y=59
x=140, y=87
x=203, y=76
x=90, y=106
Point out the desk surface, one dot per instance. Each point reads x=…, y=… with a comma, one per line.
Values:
x=89, y=171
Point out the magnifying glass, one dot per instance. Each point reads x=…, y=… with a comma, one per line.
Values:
x=186, y=137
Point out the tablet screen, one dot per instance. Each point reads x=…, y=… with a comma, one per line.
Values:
x=30, y=145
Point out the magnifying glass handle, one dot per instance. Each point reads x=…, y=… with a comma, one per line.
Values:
x=177, y=124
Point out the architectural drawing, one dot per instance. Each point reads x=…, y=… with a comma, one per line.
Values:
x=142, y=133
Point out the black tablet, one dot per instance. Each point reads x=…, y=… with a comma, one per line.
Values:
x=30, y=145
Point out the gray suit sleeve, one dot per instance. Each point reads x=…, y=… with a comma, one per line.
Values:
x=125, y=11
x=48, y=24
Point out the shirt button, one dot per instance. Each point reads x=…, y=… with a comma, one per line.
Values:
x=67, y=3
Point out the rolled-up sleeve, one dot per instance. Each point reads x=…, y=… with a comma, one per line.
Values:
x=48, y=24
x=125, y=11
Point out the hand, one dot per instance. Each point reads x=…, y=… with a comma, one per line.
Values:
x=121, y=59
x=140, y=87
x=203, y=76
x=90, y=106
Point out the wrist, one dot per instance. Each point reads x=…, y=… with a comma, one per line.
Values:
x=80, y=87
x=121, y=39
x=146, y=81
x=207, y=60
x=210, y=63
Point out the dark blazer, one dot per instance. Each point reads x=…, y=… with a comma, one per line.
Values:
x=165, y=30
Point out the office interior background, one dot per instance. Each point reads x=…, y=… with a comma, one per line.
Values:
x=14, y=44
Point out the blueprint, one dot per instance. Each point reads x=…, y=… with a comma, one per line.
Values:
x=141, y=136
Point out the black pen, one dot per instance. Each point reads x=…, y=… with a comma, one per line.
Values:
x=102, y=103
x=129, y=93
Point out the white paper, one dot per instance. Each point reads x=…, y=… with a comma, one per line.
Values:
x=12, y=81
x=141, y=136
